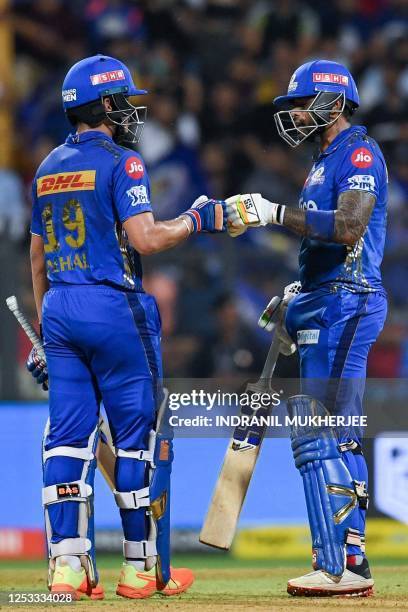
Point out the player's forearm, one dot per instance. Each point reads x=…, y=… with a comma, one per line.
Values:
x=166, y=234
x=158, y=236
x=346, y=225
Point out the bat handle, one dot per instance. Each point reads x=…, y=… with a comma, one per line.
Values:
x=13, y=306
x=271, y=359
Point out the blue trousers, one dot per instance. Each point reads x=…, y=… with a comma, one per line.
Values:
x=334, y=331
x=100, y=344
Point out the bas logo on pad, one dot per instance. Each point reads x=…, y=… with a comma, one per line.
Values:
x=66, y=181
x=134, y=168
x=362, y=158
x=70, y=489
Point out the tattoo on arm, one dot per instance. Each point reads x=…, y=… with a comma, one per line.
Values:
x=295, y=220
x=353, y=213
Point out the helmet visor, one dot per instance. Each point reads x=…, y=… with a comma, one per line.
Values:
x=319, y=112
x=130, y=119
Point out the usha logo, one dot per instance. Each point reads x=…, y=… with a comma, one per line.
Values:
x=329, y=77
x=361, y=158
x=107, y=77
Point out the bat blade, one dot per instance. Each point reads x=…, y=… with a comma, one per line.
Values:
x=106, y=463
x=229, y=495
x=239, y=463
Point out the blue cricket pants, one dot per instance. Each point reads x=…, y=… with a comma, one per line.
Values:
x=101, y=344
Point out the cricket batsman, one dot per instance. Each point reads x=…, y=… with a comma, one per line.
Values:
x=338, y=314
x=91, y=220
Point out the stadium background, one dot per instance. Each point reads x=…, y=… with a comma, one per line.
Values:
x=212, y=68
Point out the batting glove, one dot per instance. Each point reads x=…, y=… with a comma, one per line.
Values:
x=251, y=210
x=38, y=368
x=274, y=315
x=208, y=215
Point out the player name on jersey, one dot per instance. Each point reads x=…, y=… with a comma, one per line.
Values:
x=66, y=181
x=68, y=263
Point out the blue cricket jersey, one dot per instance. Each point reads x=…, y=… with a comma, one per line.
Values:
x=352, y=161
x=82, y=193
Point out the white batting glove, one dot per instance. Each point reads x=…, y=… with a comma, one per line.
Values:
x=251, y=210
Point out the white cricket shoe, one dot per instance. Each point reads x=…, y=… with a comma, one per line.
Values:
x=319, y=584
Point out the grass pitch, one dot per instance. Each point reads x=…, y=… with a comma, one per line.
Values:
x=222, y=583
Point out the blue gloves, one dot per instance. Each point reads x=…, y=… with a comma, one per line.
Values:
x=38, y=368
x=208, y=215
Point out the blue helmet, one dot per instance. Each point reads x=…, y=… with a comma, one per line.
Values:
x=331, y=87
x=93, y=77
x=319, y=75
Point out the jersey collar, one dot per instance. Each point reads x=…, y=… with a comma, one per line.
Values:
x=87, y=136
x=342, y=137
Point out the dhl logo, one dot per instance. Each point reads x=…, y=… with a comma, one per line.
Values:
x=66, y=181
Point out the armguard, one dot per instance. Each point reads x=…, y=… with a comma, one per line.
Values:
x=320, y=224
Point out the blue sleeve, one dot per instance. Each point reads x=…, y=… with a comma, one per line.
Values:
x=131, y=188
x=36, y=221
x=363, y=168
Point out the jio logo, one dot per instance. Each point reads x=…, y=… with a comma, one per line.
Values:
x=361, y=158
x=134, y=168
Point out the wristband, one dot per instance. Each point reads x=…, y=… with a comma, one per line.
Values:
x=190, y=231
x=278, y=213
x=195, y=219
x=320, y=224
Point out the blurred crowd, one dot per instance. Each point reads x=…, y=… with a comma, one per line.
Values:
x=212, y=68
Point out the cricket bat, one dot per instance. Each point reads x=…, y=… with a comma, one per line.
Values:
x=105, y=452
x=239, y=463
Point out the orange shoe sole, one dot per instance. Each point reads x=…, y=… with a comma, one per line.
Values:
x=185, y=576
x=131, y=593
x=96, y=593
x=66, y=588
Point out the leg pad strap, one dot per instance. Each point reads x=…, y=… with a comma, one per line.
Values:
x=68, y=451
x=139, y=550
x=131, y=500
x=70, y=546
x=140, y=455
x=77, y=491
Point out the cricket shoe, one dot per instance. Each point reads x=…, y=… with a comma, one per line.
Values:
x=68, y=580
x=136, y=584
x=181, y=579
x=355, y=582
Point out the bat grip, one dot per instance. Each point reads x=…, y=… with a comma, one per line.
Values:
x=271, y=359
x=30, y=332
